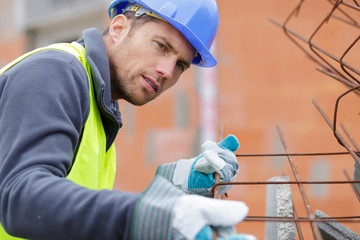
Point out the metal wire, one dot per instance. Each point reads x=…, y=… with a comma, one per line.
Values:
x=290, y=154
x=335, y=67
x=314, y=49
x=346, y=77
x=335, y=132
x=338, y=135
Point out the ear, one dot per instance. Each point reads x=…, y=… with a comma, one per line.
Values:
x=119, y=27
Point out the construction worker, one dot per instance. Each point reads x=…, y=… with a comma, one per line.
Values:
x=59, y=117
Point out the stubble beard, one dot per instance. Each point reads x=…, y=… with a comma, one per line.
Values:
x=123, y=88
x=123, y=81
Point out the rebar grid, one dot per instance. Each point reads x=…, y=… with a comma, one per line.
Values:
x=336, y=67
x=311, y=219
x=344, y=72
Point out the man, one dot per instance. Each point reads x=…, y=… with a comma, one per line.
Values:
x=59, y=118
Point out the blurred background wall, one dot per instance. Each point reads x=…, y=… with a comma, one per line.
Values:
x=262, y=81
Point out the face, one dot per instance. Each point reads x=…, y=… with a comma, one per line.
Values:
x=146, y=62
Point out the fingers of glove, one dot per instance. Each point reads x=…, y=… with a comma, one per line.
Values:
x=202, y=165
x=191, y=213
x=225, y=154
x=210, y=163
x=228, y=173
x=230, y=143
x=182, y=171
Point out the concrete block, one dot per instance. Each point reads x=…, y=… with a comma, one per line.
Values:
x=279, y=204
x=334, y=230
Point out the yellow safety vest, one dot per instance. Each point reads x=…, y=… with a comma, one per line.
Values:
x=94, y=167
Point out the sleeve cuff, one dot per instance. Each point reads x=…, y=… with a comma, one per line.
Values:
x=166, y=170
x=152, y=214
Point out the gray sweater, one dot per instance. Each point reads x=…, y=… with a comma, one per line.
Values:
x=44, y=104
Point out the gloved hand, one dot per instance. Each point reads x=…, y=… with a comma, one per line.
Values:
x=193, y=215
x=197, y=175
x=165, y=212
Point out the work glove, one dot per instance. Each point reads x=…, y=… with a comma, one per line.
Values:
x=197, y=175
x=193, y=216
x=165, y=212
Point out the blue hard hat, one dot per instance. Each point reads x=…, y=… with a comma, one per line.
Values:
x=197, y=20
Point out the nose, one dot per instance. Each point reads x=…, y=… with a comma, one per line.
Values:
x=166, y=68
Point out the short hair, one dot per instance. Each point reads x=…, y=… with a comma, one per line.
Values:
x=136, y=21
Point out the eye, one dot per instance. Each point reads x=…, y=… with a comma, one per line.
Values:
x=161, y=46
x=180, y=66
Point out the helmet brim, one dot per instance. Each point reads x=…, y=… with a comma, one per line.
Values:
x=204, y=58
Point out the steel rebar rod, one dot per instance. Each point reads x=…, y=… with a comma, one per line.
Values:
x=295, y=13
x=217, y=184
x=312, y=45
x=318, y=48
x=348, y=219
x=290, y=154
x=314, y=227
x=352, y=23
x=352, y=140
x=334, y=125
x=340, y=79
x=357, y=4
x=216, y=190
x=355, y=7
x=297, y=224
x=342, y=60
x=351, y=20
x=345, y=144
x=357, y=194
x=354, y=143
x=283, y=182
x=307, y=53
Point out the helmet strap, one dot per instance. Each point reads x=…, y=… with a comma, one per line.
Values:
x=140, y=10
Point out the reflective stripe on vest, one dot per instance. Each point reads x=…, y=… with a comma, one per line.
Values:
x=93, y=167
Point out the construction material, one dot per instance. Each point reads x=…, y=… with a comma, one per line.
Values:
x=334, y=230
x=279, y=204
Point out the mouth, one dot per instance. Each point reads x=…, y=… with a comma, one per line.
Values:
x=151, y=83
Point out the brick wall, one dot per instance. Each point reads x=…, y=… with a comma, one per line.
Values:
x=263, y=81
